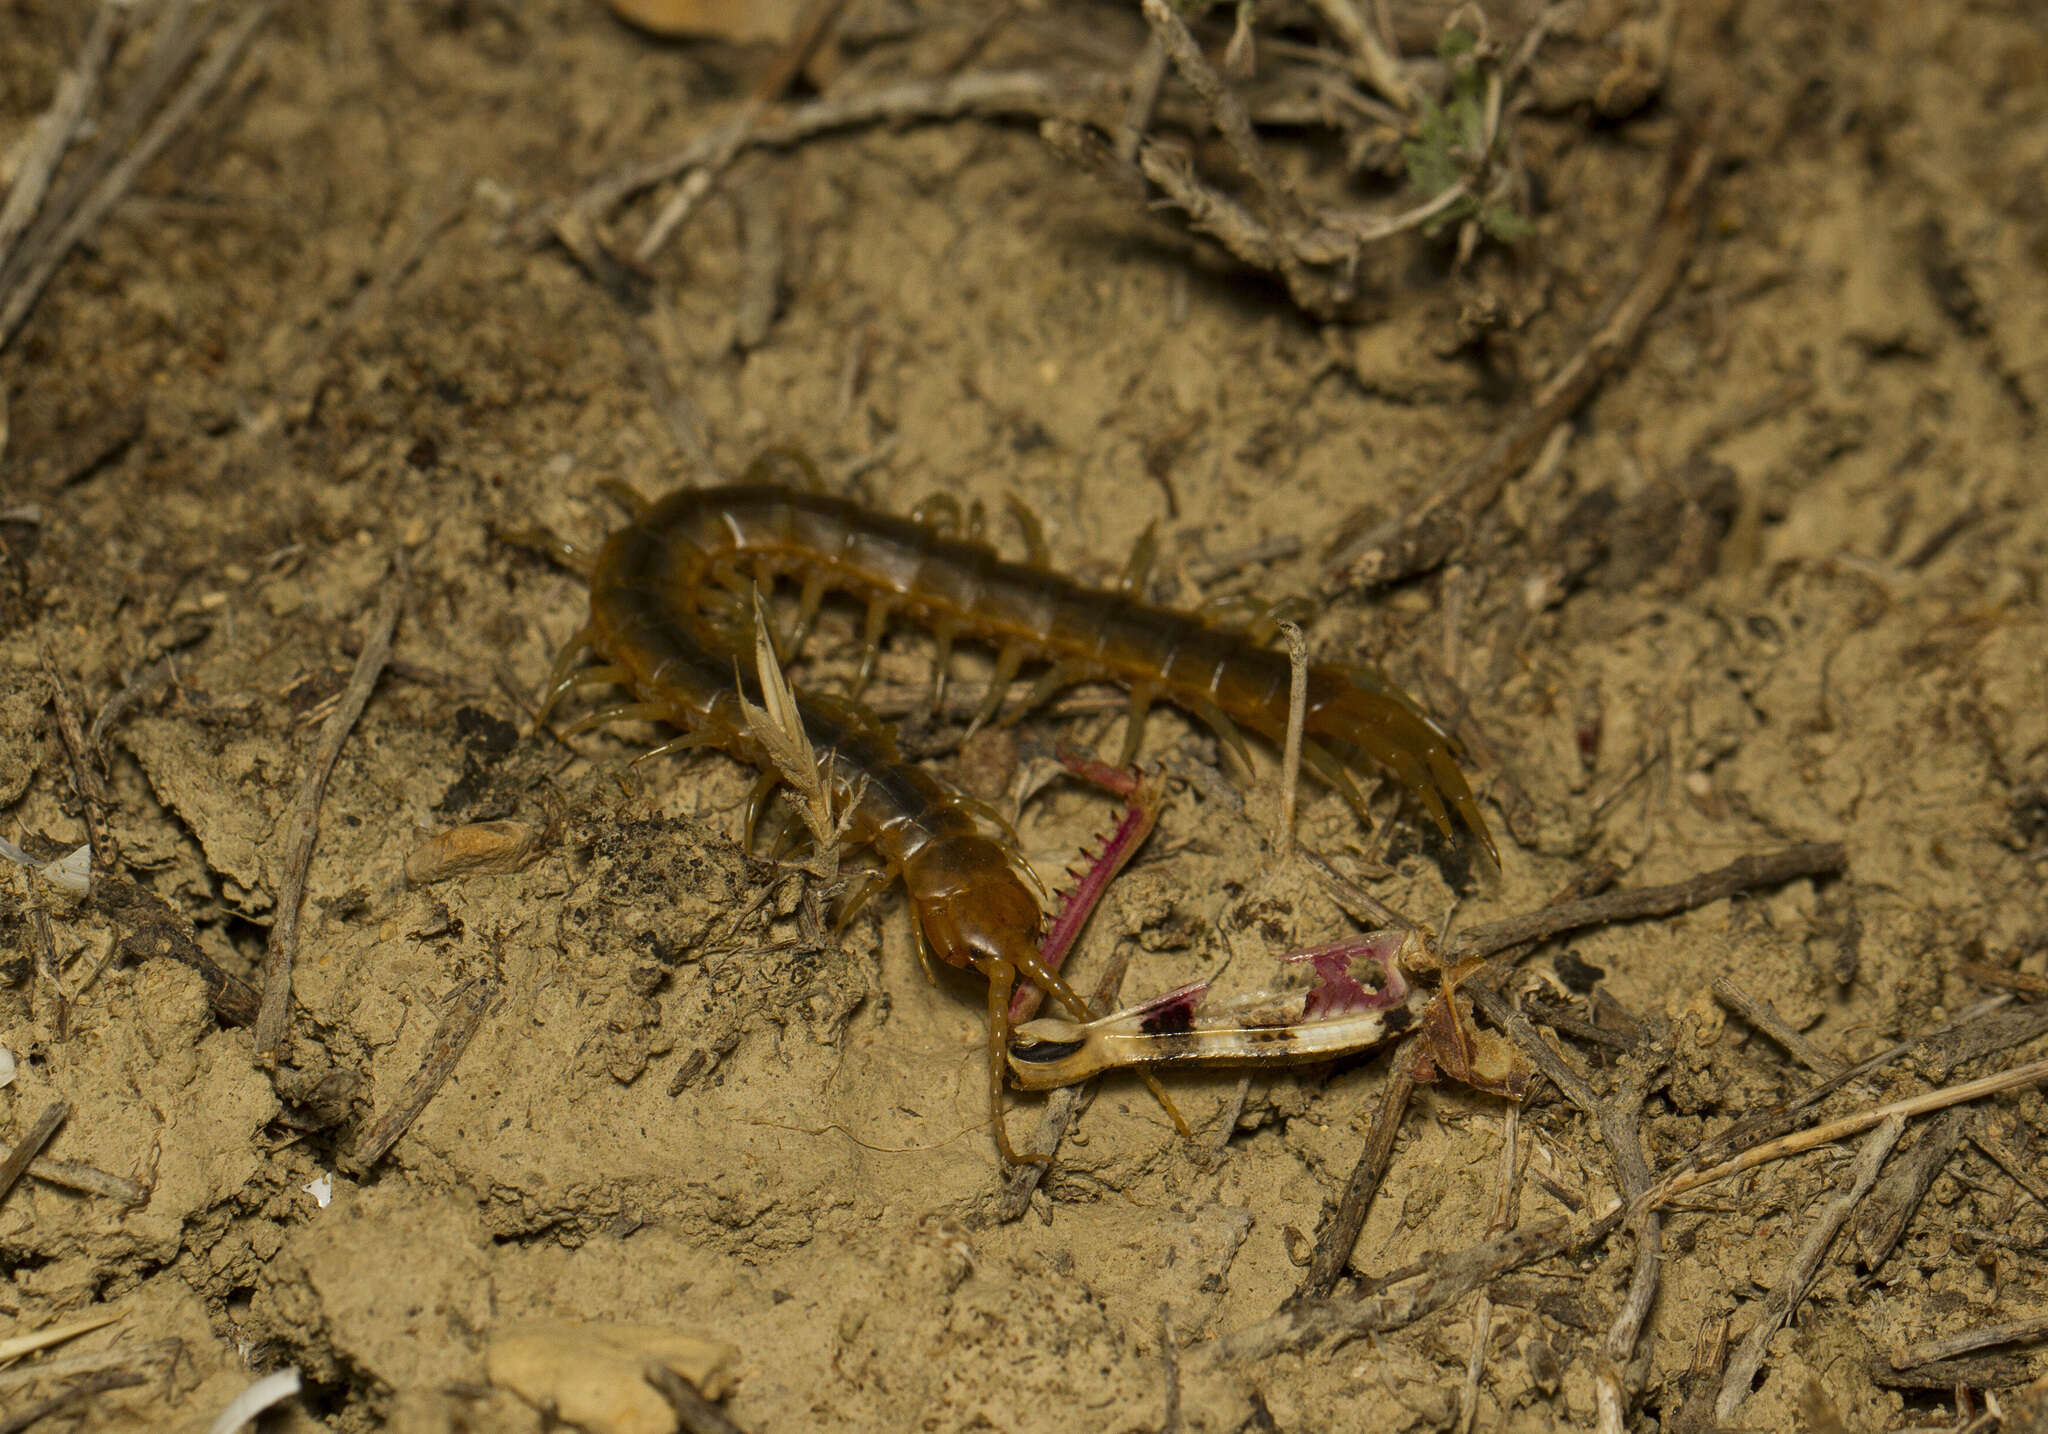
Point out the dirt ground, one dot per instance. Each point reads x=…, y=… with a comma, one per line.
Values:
x=1784, y=583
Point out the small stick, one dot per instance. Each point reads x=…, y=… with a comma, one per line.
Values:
x=1338, y=1238
x=731, y=137
x=1224, y=107
x=92, y=790
x=1757, y=1127
x=25, y=284
x=1809, y=859
x=1501, y=1221
x=1404, y=547
x=1290, y=760
x=1984, y=975
x=1023, y=94
x=64, y=1399
x=1444, y=1281
x=451, y=1038
x=1882, y=1222
x=31, y=1144
x=54, y=131
x=1777, y=1306
x=1148, y=73
x=1928, y=1351
x=120, y=1357
x=1169, y=1417
x=694, y=1413
x=1855, y=1123
x=90, y=1180
x=1764, y=1016
x=1621, y=1132
x=2002, y=1155
x=283, y=947
x=47, y=970
x=143, y=685
x=1377, y=66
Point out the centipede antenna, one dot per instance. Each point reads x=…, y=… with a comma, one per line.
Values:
x=618, y=712
x=1138, y=566
x=1055, y=677
x=624, y=494
x=1035, y=550
x=942, y=661
x=872, y=630
x=807, y=604
x=1217, y=721
x=1142, y=694
x=1008, y=662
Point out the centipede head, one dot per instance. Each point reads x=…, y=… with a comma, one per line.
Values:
x=974, y=909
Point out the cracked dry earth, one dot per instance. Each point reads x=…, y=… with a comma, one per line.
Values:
x=1785, y=583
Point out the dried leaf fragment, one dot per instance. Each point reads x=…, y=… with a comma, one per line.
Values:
x=741, y=21
x=475, y=848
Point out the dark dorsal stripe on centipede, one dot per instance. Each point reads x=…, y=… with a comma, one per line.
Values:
x=660, y=565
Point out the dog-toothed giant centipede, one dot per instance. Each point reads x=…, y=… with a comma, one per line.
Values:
x=656, y=628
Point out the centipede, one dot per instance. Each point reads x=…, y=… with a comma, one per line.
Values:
x=662, y=631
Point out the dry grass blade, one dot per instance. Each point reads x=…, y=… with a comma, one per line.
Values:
x=778, y=725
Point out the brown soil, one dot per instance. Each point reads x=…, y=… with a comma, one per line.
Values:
x=1785, y=584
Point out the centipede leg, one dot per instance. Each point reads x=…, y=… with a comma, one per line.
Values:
x=1002, y=981
x=1142, y=694
x=625, y=495
x=1054, y=678
x=552, y=546
x=619, y=712
x=942, y=661
x=864, y=888
x=1217, y=721
x=566, y=658
x=807, y=604
x=872, y=629
x=687, y=742
x=1035, y=550
x=1008, y=661
x=1323, y=762
x=937, y=511
x=1138, y=566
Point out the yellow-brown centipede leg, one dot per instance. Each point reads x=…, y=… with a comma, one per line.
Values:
x=1002, y=981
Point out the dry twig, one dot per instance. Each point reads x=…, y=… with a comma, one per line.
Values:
x=283, y=947
x=43, y=249
x=451, y=1038
x=1404, y=547
x=16, y=1161
x=1776, y=1307
x=1332, y=1252
x=1749, y=873
x=694, y=1413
